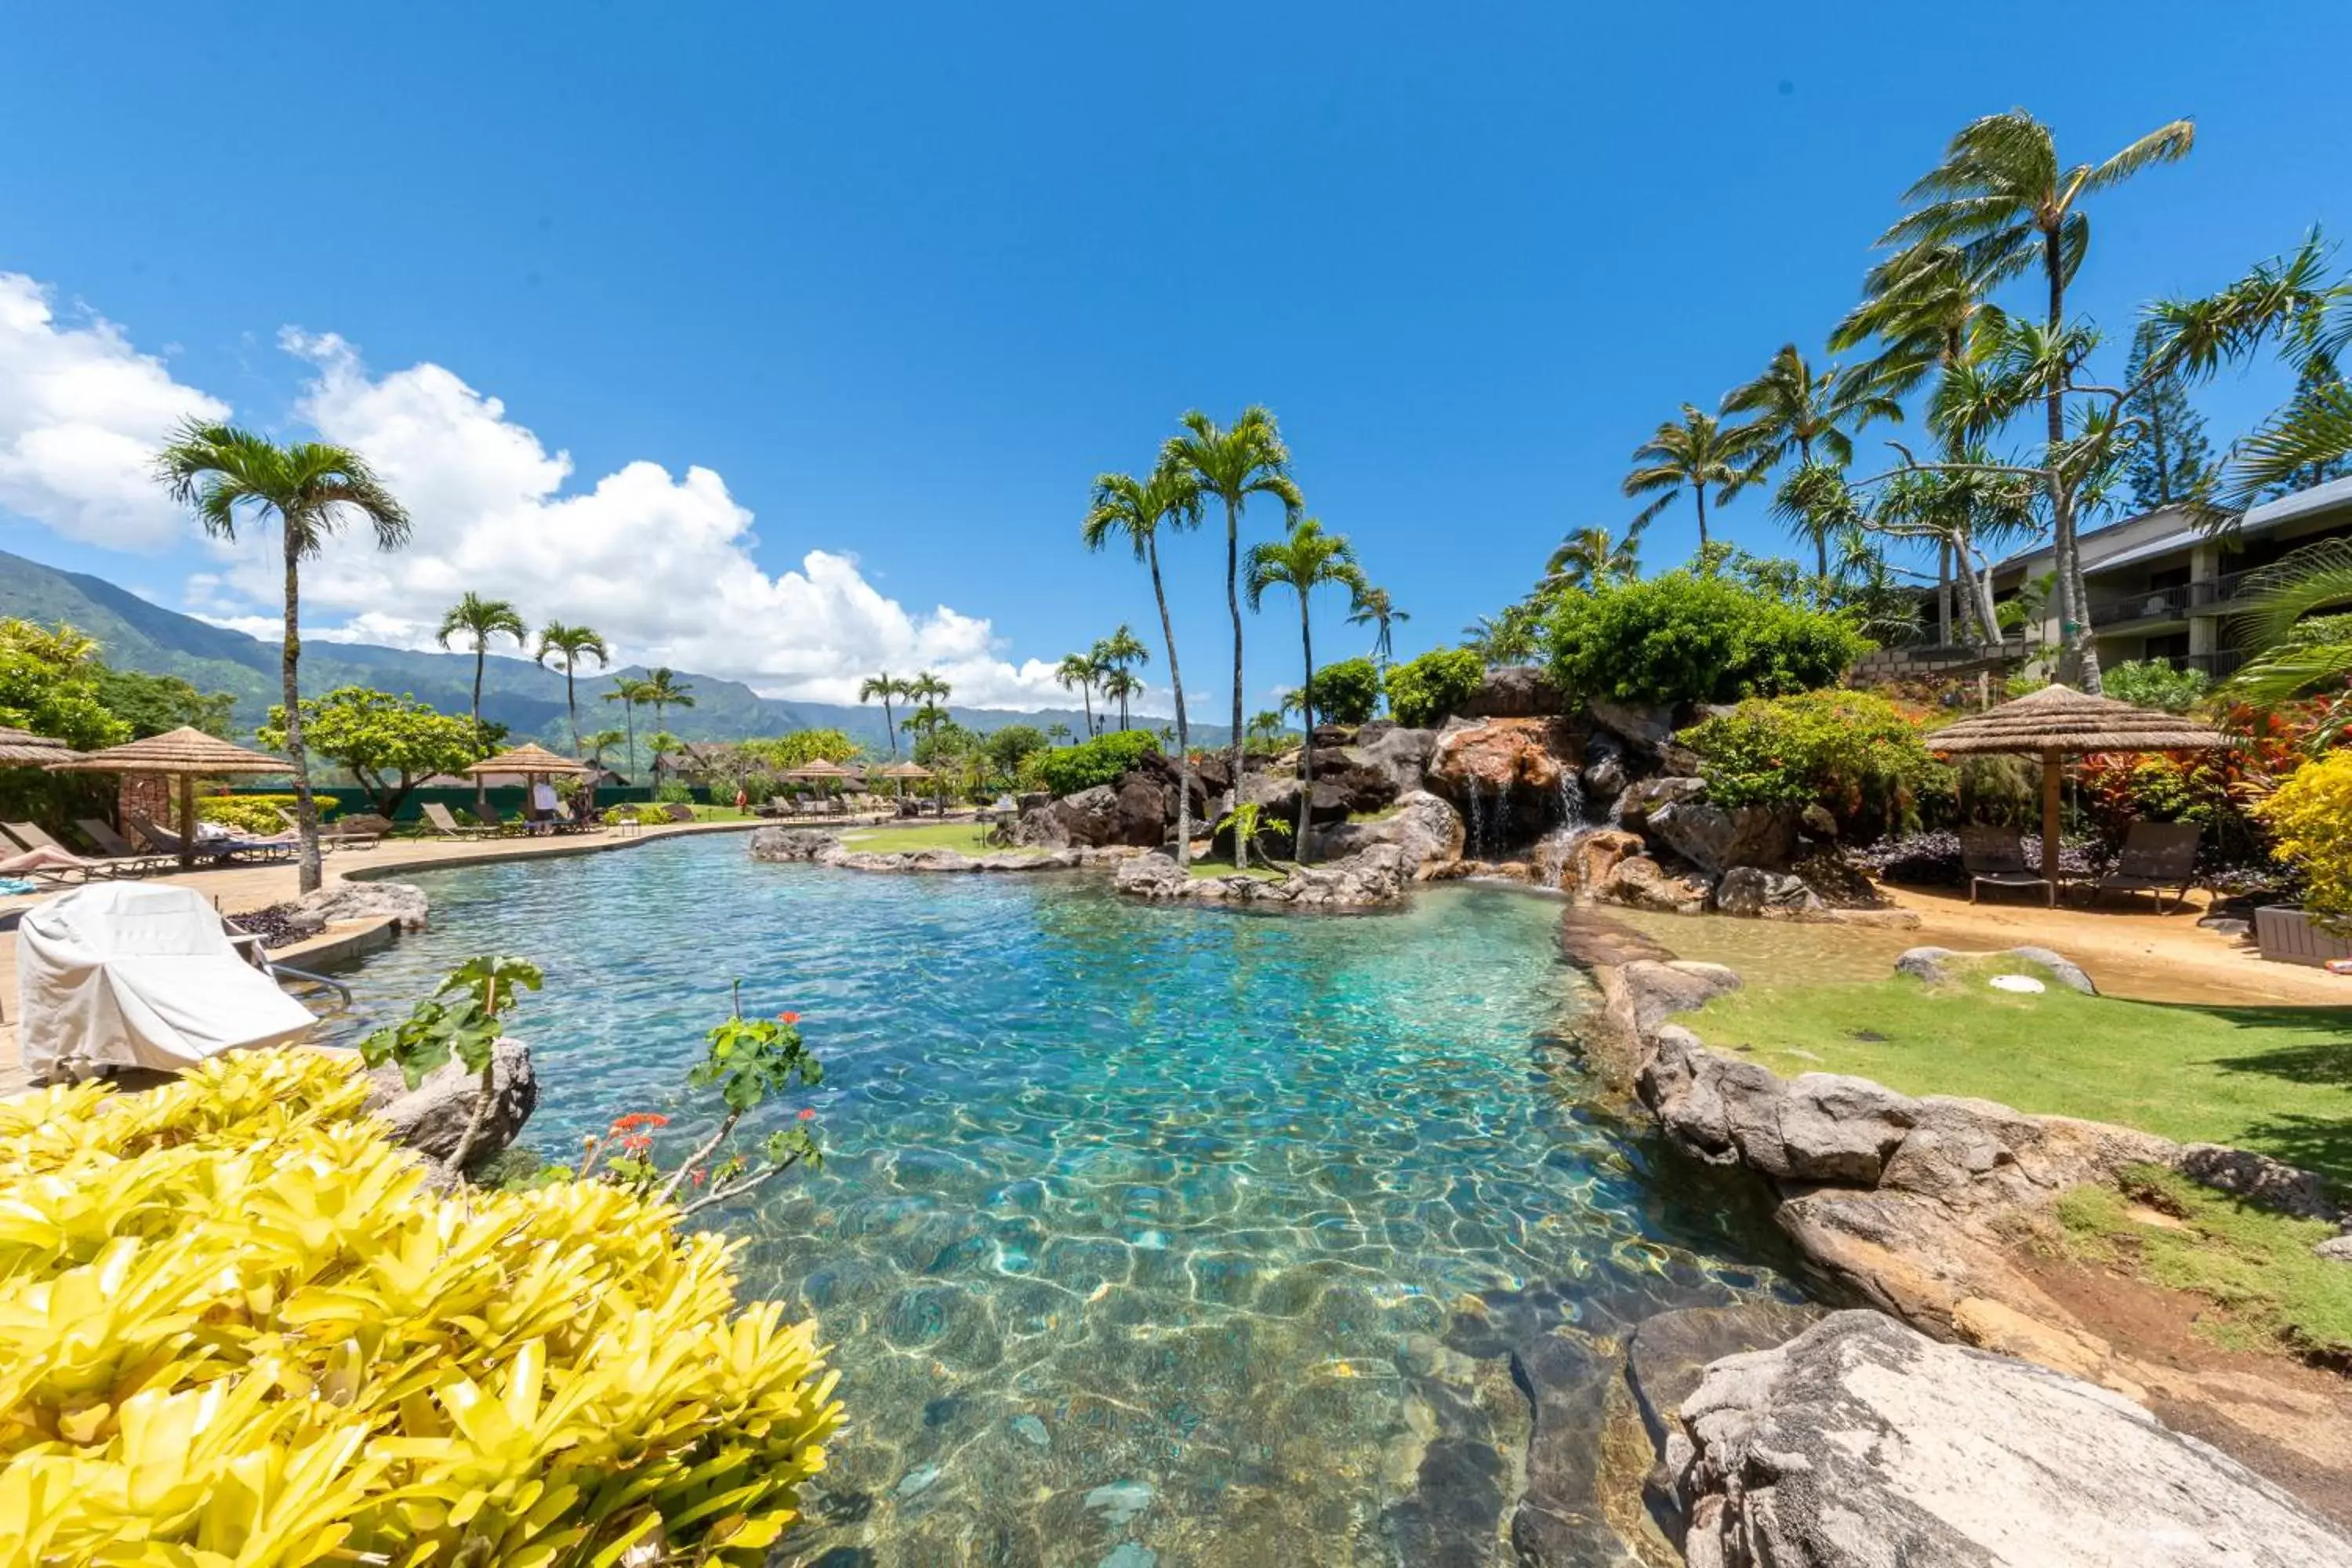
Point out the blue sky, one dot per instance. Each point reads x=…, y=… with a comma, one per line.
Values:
x=902, y=280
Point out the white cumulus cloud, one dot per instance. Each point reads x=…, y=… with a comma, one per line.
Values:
x=660, y=564
x=81, y=414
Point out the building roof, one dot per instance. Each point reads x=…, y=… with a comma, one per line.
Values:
x=2258, y=521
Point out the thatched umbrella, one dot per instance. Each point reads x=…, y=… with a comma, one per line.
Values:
x=186, y=754
x=23, y=749
x=819, y=769
x=531, y=760
x=2058, y=722
x=903, y=772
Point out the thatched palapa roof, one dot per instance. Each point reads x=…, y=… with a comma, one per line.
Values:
x=2060, y=718
x=529, y=758
x=23, y=749
x=902, y=771
x=819, y=769
x=184, y=750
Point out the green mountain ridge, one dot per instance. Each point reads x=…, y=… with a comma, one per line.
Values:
x=527, y=697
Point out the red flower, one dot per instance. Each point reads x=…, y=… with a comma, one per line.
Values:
x=638, y=1143
x=807, y=1115
x=636, y=1120
x=696, y=1177
x=788, y=1018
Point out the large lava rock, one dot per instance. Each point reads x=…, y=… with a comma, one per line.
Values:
x=1714, y=838
x=1646, y=728
x=1520, y=692
x=1367, y=785
x=402, y=902
x=1639, y=882
x=431, y=1117
x=1492, y=757
x=1401, y=754
x=1428, y=831
x=789, y=845
x=1636, y=801
x=1769, y=895
x=1864, y=1444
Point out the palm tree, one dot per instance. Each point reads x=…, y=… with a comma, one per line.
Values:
x=1078, y=672
x=1374, y=607
x=628, y=692
x=662, y=691
x=1140, y=509
x=1233, y=465
x=882, y=686
x=481, y=620
x=1690, y=456
x=1307, y=560
x=1057, y=732
x=2001, y=197
x=929, y=693
x=597, y=744
x=573, y=643
x=1795, y=412
x=1114, y=655
x=309, y=488
x=1592, y=557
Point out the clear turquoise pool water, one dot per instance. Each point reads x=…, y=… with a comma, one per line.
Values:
x=1145, y=1235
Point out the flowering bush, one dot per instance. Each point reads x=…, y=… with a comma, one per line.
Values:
x=235, y=1328
x=2217, y=789
x=2310, y=813
x=1855, y=752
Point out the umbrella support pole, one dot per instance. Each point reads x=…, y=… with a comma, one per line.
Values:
x=187, y=821
x=2053, y=775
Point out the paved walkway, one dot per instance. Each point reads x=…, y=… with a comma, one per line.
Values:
x=235, y=889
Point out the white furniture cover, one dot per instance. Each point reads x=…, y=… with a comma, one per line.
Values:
x=124, y=975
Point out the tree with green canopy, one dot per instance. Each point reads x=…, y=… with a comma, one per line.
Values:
x=629, y=691
x=1078, y=672
x=1693, y=455
x=1797, y=414
x=1304, y=560
x=663, y=691
x=1591, y=557
x=390, y=745
x=2172, y=461
x=309, y=488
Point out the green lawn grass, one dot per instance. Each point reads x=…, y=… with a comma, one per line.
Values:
x=2274, y=1079
x=966, y=836
x=1258, y=870
x=2257, y=1267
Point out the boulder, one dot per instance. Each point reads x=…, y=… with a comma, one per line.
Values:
x=1636, y=801
x=1769, y=895
x=1861, y=1442
x=1519, y=691
x=1589, y=939
x=1403, y=754
x=2336, y=1248
x=1933, y=964
x=1645, y=728
x=402, y=901
x=1653, y=992
x=1364, y=784
x=1426, y=830
x=431, y=1117
x=791, y=844
x=1604, y=776
x=1497, y=756
x=1667, y=1354
x=1642, y=883
x=2063, y=970
x=1595, y=857
x=1371, y=878
x=2257, y=1178
x=1714, y=838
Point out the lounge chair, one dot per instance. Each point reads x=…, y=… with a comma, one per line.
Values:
x=2156, y=857
x=113, y=847
x=438, y=816
x=219, y=851
x=1995, y=856
x=27, y=854
x=332, y=836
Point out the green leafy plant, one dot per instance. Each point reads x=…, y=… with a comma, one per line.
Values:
x=461, y=1021
x=1682, y=638
x=2153, y=683
x=1104, y=760
x=256, y=814
x=1246, y=822
x=1345, y=693
x=1423, y=691
x=390, y=745
x=1855, y=752
x=2310, y=813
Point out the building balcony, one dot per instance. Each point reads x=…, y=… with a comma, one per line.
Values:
x=2171, y=603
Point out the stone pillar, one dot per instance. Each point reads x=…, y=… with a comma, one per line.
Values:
x=2204, y=623
x=148, y=795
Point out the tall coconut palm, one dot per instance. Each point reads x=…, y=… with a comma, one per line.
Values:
x=1078, y=672
x=1698, y=452
x=1375, y=608
x=224, y=473
x=881, y=686
x=1593, y=557
x=595, y=745
x=628, y=692
x=1306, y=560
x=662, y=692
x=481, y=620
x=929, y=694
x=571, y=644
x=2002, y=196
x=1116, y=655
x=1139, y=510
x=1795, y=412
x=1233, y=464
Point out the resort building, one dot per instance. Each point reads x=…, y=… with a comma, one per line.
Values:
x=2160, y=587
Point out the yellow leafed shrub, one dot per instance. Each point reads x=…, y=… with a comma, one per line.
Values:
x=236, y=1332
x=2310, y=813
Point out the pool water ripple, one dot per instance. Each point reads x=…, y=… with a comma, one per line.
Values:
x=1144, y=1235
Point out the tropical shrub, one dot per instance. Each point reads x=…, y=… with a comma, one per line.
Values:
x=2153, y=683
x=256, y=813
x=1345, y=693
x=2311, y=814
x=1854, y=753
x=1687, y=638
x=1423, y=691
x=1103, y=759
x=390, y=744
x=237, y=1328
x=2217, y=789
x=672, y=792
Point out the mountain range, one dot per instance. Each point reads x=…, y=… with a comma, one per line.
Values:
x=527, y=697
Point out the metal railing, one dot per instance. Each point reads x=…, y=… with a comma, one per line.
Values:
x=2148, y=605
x=2219, y=664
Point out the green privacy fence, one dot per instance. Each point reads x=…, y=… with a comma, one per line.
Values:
x=507, y=800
